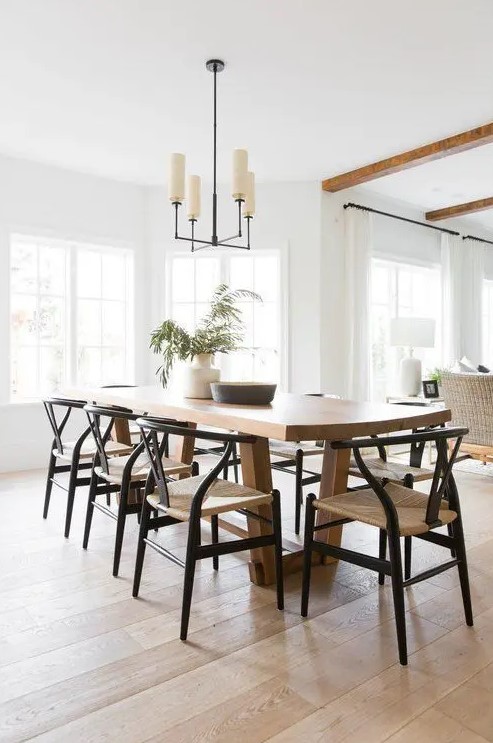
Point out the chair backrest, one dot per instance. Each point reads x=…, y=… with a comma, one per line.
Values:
x=470, y=398
x=101, y=433
x=59, y=422
x=442, y=482
x=151, y=427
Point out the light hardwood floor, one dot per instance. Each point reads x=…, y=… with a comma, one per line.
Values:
x=80, y=660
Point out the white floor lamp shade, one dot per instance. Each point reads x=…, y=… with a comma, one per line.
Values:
x=411, y=332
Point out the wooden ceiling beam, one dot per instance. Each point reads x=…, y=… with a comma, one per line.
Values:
x=450, y=146
x=460, y=209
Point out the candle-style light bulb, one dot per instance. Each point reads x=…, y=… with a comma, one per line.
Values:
x=193, y=197
x=249, y=205
x=176, y=179
x=240, y=169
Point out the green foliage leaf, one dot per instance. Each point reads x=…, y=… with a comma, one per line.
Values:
x=221, y=331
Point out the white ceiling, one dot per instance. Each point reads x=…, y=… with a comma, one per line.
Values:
x=312, y=87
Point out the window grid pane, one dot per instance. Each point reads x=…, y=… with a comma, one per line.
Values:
x=44, y=299
x=192, y=282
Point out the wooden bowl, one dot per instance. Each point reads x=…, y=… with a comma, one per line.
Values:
x=243, y=393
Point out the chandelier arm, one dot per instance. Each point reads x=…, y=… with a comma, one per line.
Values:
x=227, y=239
x=176, y=204
x=239, y=202
x=189, y=240
x=248, y=220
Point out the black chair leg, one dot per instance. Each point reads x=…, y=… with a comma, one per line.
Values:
x=235, y=458
x=49, y=485
x=298, y=491
x=108, y=499
x=382, y=553
x=120, y=528
x=141, y=546
x=460, y=550
x=72, y=484
x=450, y=530
x=408, y=543
x=277, y=528
x=307, y=553
x=226, y=469
x=398, y=593
x=215, y=540
x=195, y=469
x=90, y=508
x=193, y=540
x=408, y=551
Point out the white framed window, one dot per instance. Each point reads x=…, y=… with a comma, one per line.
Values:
x=71, y=315
x=191, y=282
x=400, y=290
x=488, y=322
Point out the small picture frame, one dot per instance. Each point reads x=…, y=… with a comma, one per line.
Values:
x=430, y=388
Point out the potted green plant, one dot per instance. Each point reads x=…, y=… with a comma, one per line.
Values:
x=436, y=374
x=221, y=330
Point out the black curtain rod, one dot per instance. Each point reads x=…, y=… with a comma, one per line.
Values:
x=350, y=205
x=477, y=239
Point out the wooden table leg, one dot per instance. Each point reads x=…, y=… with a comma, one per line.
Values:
x=256, y=470
x=334, y=481
x=121, y=431
x=184, y=449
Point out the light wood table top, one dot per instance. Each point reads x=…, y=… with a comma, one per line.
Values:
x=289, y=418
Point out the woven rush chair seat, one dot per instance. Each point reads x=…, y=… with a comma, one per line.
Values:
x=140, y=468
x=88, y=450
x=364, y=506
x=222, y=496
x=288, y=449
x=393, y=471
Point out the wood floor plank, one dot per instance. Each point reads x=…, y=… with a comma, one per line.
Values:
x=174, y=701
x=42, y=711
x=435, y=727
x=249, y=718
x=81, y=660
x=25, y=677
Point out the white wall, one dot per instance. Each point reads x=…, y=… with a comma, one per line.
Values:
x=41, y=200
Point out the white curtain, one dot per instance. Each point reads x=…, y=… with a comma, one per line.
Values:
x=472, y=300
x=452, y=258
x=462, y=299
x=357, y=252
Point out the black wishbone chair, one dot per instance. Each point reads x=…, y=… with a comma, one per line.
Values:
x=125, y=475
x=190, y=500
x=397, y=511
x=73, y=457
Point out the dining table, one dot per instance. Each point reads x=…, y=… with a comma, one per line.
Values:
x=290, y=417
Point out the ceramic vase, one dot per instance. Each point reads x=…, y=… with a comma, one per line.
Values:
x=199, y=375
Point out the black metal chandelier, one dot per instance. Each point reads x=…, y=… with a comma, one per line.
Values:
x=243, y=190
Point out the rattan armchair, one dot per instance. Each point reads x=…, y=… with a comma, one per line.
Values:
x=470, y=398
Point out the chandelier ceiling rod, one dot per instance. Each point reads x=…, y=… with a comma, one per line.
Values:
x=243, y=187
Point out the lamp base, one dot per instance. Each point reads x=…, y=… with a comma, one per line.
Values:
x=410, y=377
